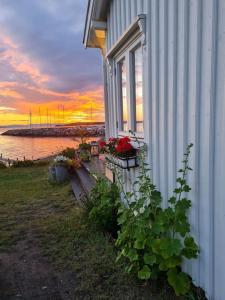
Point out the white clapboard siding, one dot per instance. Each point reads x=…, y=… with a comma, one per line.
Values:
x=184, y=75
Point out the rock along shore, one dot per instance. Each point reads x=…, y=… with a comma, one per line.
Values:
x=75, y=131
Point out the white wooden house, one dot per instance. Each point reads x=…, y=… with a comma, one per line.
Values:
x=164, y=77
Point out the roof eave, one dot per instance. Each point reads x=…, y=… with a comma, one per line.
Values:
x=96, y=11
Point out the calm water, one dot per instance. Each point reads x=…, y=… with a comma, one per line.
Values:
x=18, y=147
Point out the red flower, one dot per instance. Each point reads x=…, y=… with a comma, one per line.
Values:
x=124, y=140
x=102, y=144
x=123, y=147
x=118, y=149
x=112, y=140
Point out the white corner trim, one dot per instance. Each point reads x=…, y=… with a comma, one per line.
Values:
x=138, y=26
x=109, y=63
x=142, y=27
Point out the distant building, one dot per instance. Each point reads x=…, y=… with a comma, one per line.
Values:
x=164, y=74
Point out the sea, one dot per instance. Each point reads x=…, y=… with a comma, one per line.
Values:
x=35, y=147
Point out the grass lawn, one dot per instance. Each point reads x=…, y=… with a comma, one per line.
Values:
x=44, y=233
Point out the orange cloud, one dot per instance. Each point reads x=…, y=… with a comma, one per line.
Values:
x=42, y=102
x=10, y=93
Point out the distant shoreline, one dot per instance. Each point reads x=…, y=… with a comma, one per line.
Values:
x=62, y=131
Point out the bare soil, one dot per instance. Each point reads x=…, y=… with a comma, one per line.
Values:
x=26, y=274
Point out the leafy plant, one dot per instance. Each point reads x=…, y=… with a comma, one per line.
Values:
x=102, y=205
x=85, y=151
x=23, y=163
x=85, y=155
x=153, y=240
x=85, y=146
x=74, y=164
x=69, y=153
x=2, y=165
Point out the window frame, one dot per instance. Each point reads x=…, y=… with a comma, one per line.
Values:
x=127, y=53
x=134, y=91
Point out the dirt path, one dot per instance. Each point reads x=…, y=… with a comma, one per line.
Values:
x=26, y=274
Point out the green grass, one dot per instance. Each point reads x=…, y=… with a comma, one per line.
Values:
x=28, y=201
x=25, y=193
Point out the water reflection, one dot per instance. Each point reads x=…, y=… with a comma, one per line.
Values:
x=18, y=147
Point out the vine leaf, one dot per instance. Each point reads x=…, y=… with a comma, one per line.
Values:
x=132, y=255
x=144, y=273
x=149, y=259
x=167, y=247
x=179, y=281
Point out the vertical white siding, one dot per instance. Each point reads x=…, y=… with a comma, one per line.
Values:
x=185, y=99
x=121, y=14
x=219, y=157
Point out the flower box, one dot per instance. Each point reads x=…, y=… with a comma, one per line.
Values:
x=123, y=162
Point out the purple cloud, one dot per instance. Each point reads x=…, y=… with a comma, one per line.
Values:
x=50, y=32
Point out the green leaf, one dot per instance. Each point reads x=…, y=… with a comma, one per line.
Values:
x=149, y=259
x=122, y=219
x=157, y=228
x=182, y=226
x=178, y=191
x=181, y=181
x=191, y=249
x=128, y=269
x=139, y=244
x=156, y=196
x=172, y=200
x=132, y=255
x=144, y=273
x=167, y=247
x=179, y=281
x=183, y=204
x=139, y=234
x=187, y=188
x=169, y=263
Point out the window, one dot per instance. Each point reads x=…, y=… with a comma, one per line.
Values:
x=123, y=93
x=138, y=90
x=129, y=89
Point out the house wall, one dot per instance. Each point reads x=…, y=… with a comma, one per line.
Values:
x=184, y=70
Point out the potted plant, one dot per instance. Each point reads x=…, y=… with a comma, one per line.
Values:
x=74, y=164
x=69, y=153
x=61, y=168
x=85, y=151
x=120, y=152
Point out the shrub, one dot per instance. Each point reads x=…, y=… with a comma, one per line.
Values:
x=85, y=146
x=69, y=153
x=2, y=165
x=102, y=205
x=23, y=163
x=153, y=241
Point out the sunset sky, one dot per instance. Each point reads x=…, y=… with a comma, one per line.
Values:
x=43, y=65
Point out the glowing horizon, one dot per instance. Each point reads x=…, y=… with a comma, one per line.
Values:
x=48, y=73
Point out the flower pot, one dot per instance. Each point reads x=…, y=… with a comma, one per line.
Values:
x=61, y=174
x=123, y=162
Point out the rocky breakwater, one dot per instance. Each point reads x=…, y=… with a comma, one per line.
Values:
x=88, y=131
